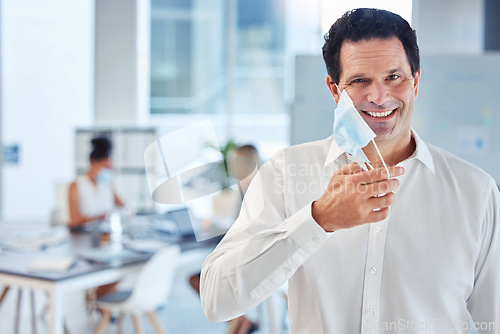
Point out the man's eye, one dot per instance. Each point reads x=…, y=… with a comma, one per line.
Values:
x=393, y=77
x=359, y=80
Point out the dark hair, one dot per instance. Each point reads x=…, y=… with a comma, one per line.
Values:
x=101, y=148
x=251, y=152
x=247, y=148
x=365, y=24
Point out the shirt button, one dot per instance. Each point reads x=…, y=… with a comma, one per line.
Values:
x=377, y=229
x=287, y=268
x=373, y=270
x=316, y=239
x=370, y=312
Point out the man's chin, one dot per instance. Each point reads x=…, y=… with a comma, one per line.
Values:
x=383, y=133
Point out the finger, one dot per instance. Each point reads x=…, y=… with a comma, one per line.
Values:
x=349, y=169
x=378, y=174
x=380, y=187
x=376, y=216
x=381, y=202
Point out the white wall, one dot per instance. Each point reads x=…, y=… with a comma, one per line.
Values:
x=47, y=82
x=303, y=35
x=449, y=26
x=122, y=61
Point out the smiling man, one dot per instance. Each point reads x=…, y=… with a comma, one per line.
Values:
x=363, y=253
x=379, y=79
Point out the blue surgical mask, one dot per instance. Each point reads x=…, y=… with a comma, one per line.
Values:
x=104, y=176
x=350, y=129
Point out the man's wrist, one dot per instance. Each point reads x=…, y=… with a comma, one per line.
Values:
x=316, y=215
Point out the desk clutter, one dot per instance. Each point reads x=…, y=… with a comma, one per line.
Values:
x=145, y=245
x=57, y=262
x=51, y=263
x=108, y=254
x=34, y=239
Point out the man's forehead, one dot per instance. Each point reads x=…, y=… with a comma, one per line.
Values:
x=375, y=40
x=361, y=55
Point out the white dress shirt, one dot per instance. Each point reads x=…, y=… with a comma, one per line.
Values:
x=424, y=269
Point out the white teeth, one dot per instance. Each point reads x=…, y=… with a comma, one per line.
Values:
x=379, y=114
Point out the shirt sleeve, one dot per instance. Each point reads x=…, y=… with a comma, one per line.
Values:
x=484, y=301
x=261, y=251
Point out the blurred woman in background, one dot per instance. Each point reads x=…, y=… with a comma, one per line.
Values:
x=91, y=195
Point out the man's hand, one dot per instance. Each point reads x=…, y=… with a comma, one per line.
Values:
x=355, y=197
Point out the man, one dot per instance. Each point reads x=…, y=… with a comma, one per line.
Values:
x=362, y=253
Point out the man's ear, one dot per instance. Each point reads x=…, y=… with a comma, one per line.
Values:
x=333, y=88
x=416, y=81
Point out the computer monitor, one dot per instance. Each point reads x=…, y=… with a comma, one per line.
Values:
x=183, y=221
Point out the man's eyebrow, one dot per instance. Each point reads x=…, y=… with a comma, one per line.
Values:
x=355, y=76
x=396, y=70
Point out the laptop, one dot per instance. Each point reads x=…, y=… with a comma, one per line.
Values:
x=182, y=220
x=179, y=224
x=108, y=255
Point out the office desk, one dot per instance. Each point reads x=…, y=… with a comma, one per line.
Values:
x=82, y=275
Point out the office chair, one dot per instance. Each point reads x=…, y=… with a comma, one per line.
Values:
x=150, y=291
x=59, y=216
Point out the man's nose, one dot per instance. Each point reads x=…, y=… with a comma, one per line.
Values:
x=377, y=93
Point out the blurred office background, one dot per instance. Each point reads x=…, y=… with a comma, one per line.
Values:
x=70, y=69
x=163, y=64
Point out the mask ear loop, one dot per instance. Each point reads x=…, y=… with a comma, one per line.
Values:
x=338, y=89
x=376, y=147
x=381, y=158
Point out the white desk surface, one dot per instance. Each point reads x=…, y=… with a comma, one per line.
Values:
x=14, y=271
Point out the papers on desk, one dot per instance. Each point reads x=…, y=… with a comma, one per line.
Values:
x=27, y=241
x=145, y=245
x=51, y=263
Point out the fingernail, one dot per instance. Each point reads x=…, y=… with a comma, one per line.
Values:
x=400, y=171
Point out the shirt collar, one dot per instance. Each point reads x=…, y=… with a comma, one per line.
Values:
x=421, y=152
x=334, y=152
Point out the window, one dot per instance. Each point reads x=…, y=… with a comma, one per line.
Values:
x=259, y=72
x=189, y=57
x=332, y=10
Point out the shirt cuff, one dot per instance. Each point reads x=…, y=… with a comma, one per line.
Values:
x=305, y=230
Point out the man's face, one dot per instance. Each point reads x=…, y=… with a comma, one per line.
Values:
x=377, y=76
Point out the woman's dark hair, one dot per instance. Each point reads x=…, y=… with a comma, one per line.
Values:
x=365, y=24
x=101, y=148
